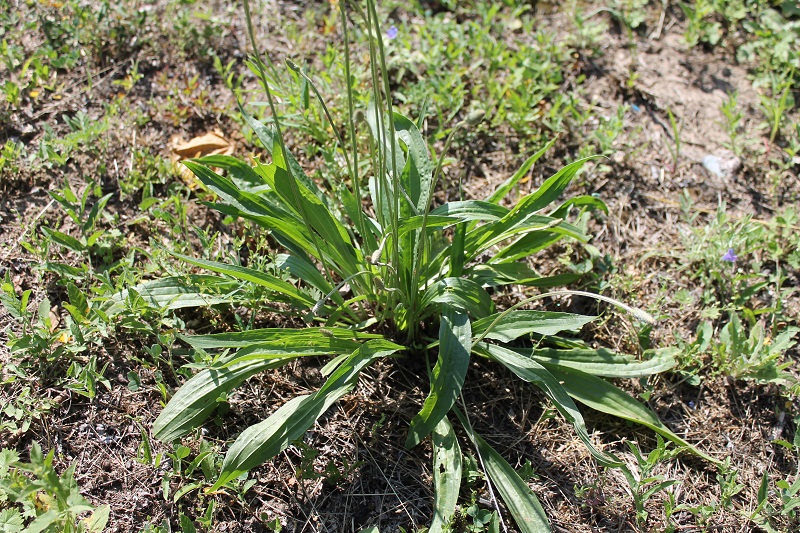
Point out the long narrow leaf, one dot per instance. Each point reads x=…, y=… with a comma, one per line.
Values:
x=417, y=180
x=520, y=500
x=176, y=292
x=511, y=182
x=518, y=274
x=284, y=288
x=264, y=440
x=605, y=363
x=515, y=324
x=282, y=336
x=602, y=396
x=197, y=398
x=469, y=210
x=448, y=375
x=532, y=372
x=446, y=475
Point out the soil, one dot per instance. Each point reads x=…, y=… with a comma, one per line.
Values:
x=360, y=474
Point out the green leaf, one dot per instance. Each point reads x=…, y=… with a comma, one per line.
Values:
x=532, y=372
x=523, y=217
x=97, y=521
x=11, y=521
x=67, y=241
x=78, y=301
x=510, y=326
x=415, y=222
x=518, y=274
x=606, y=363
x=418, y=174
x=269, y=139
x=315, y=215
x=520, y=500
x=303, y=270
x=176, y=292
x=243, y=174
x=42, y=522
x=534, y=241
x=469, y=210
x=197, y=398
x=264, y=440
x=281, y=337
x=446, y=475
x=602, y=396
x=448, y=375
x=459, y=292
x=509, y=184
x=289, y=291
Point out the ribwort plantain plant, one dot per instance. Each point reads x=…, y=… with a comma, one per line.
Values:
x=382, y=273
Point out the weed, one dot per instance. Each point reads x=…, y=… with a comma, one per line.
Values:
x=42, y=500
x=675, y=147
x=643, y=485
x=733, y=118
x=778, y=102
x=383, y=279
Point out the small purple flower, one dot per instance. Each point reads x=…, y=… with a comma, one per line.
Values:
x=729, y=256
x=392, y=32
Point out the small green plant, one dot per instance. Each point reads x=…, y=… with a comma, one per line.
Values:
x=375, y=271
x=783, y=501
x=36, y=498
x=755, y=356
x=698, y=26
x=643, y=485
x=776, y=104
x=675, y=147
x=733, y=118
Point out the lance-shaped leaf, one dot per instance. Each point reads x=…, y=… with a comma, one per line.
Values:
x=418, y=171
x=520, y=500
x=282, y=337
x=532, y=372
x=604, y=362
x=511, y=182
x=447, y=378
x=264, y=440
x=515, y=324
x=176, y=292
x=459, y=292
x=602, y=396
x=197, y=398
x=283, y=288
x=446, y=475
x=517, y=274
x=469, y=210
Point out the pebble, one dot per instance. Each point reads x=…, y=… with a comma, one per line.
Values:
x=724, y=165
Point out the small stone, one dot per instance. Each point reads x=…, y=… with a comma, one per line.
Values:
x=724, y=165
